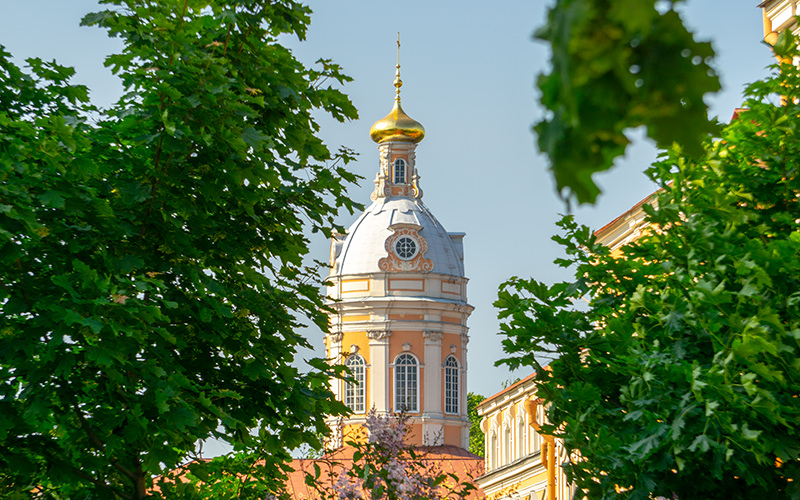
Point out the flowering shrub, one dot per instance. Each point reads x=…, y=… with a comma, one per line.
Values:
x=385, y=467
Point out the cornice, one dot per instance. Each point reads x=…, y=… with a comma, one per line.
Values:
x=384, y=300
x=400, y=274
x=517, y=471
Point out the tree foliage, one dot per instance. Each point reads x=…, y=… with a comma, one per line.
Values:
x=681, y=377
x=617, y=65
x=152, y=257
x=477, y=443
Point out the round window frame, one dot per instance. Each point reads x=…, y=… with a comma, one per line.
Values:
x=413, y=243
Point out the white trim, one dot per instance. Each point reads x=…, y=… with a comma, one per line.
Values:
x=521, y=449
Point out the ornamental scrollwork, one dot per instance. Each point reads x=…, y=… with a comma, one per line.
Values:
x=378, y=334
x=431, y=336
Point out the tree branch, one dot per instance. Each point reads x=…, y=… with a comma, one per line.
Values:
x=101, y=446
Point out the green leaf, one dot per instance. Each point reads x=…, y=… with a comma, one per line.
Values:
x=54, y=199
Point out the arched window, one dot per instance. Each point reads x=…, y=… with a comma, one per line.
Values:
x=355, y=393
x=406, y=370
x=520, y=438
x=399, y=171
x=451, y=385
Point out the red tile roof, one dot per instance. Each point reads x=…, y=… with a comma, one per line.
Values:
x=438, y=459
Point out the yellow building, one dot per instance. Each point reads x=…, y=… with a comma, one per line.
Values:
x=520, y=462
x=626, y=228
x=779, y=15
x=399, y=293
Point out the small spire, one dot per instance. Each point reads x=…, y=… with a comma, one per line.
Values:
x=397, y=81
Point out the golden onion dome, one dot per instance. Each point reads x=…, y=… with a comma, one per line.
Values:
x=397, y=125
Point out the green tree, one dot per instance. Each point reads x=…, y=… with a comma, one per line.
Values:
x=152, y=257
x=680, y=378
x=477, y=443
x=617, y=65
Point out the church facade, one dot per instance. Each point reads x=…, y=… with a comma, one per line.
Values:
x=398, y=289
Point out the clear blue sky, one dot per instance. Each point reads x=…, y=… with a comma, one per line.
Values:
x=469, y=70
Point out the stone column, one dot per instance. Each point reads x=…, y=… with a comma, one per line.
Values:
x=433, y=374
x=378, y=374
x=432, y=405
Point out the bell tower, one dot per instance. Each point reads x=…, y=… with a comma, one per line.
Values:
x=398, y=290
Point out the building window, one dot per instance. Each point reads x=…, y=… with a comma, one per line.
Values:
x=451, y=385
x=399, y=171
x=406, y=248
x=354, y=392
x=520, y=438
x=406, y=370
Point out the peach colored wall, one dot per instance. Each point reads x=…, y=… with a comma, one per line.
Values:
x=452, y=435
x=415, y=435
x=455, y=320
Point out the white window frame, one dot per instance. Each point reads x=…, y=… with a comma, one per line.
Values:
x=452, y=385
x=355, y=394
x=401, y=374
x=399, y=171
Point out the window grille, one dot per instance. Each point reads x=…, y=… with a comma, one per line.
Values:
x=451, y=385
x=406, y=371
x=354, y=392
x=399, y=171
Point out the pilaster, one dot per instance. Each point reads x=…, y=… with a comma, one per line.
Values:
x=379, y=369
x=334, y=353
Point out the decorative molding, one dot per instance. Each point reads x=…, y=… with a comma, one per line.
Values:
x=378, y=334
x=355, y=285
x=336, y=338
x=407, y=285
x=392, y=262
x=432, y=337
